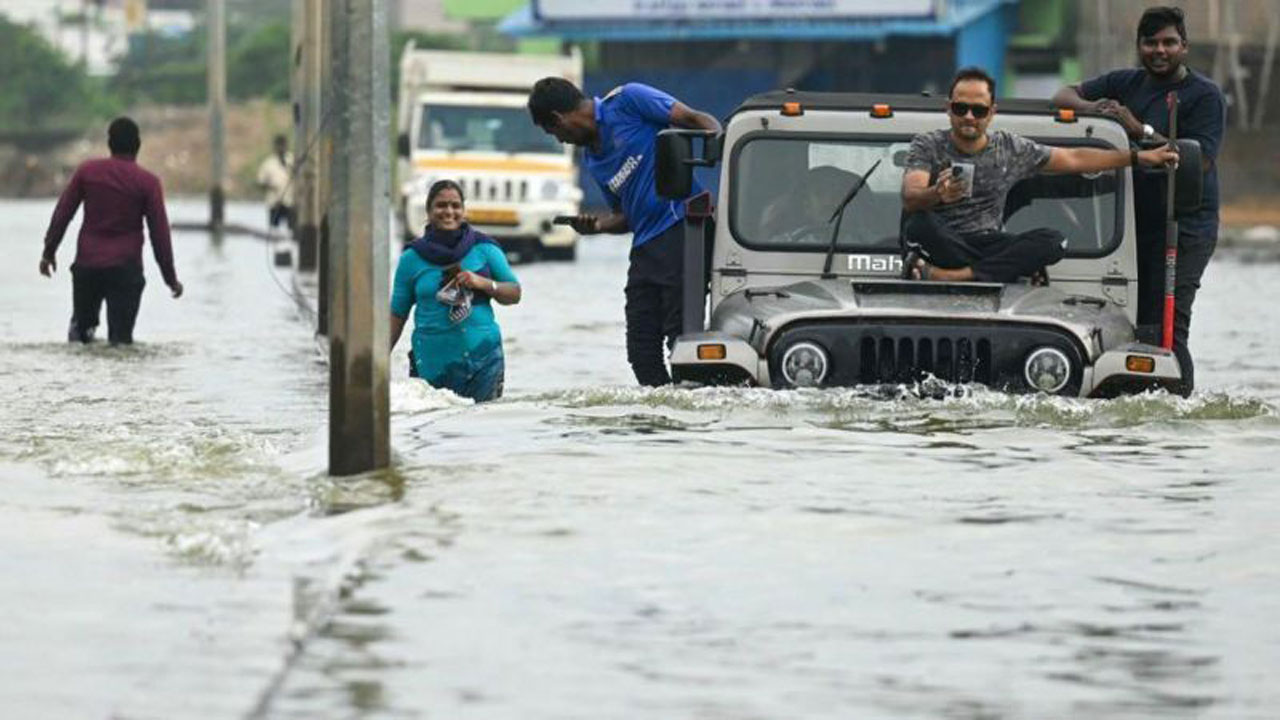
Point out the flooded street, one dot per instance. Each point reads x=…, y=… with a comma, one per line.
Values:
x=588, y=549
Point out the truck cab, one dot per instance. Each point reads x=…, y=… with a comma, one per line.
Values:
x=462, y=117
x=807, y=292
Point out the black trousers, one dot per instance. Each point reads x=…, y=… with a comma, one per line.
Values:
x=654, y=292
x=994, y=256
x=280, y=213
x=121, y=288
x=1196, y=243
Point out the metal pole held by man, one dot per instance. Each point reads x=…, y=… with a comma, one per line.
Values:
x=1170, y=232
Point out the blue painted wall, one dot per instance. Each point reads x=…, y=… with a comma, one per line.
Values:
x=983, y=42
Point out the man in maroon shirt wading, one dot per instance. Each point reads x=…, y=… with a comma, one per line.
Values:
x=117, y=196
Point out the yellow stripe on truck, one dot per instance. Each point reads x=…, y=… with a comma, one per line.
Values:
x=498, y=165
x=493, y=216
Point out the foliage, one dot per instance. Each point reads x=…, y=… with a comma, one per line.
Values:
x=258, y=63
x=163, y=69
x=174, y=70
x=42, y=89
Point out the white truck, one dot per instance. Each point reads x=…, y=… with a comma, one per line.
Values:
x=463, y=117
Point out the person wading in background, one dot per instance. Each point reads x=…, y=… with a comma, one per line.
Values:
x=117, y=195
x=618, y=133
x=275, y=179
x=1136, y=99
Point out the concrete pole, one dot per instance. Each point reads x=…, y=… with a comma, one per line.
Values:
x=306, y=82
x=1268, y=59
x=359, y=402
x=331, y=16
x=217, y=75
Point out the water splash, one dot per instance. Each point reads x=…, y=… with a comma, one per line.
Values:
x=901, y=407
x=414, y=397
x=222, y=543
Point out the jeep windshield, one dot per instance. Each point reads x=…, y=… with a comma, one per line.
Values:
x=492, y=129
x=786, y=186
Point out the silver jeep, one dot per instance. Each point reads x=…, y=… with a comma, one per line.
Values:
x=802, y=261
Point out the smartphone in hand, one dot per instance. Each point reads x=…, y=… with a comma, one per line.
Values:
x=563, y=219
x=963, y=174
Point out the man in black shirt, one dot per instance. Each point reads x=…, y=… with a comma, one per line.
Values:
x=1136, y=98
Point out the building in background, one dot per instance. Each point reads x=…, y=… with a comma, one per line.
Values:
x=731, y=50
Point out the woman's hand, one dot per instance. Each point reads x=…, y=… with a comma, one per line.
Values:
x=475, y=281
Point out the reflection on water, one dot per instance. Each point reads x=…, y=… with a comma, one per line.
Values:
x=585, y=548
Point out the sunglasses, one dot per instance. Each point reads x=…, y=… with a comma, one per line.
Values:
x=960, y=109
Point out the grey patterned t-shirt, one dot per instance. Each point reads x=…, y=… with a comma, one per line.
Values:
x=1005, y=160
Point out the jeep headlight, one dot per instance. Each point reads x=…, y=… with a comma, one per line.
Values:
x=562, y=190
x=1047, y=369
x=805, y=365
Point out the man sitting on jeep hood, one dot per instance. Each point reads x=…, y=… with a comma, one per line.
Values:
x=956, y=182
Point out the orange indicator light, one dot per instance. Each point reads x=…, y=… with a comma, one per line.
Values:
x=711, y=352
x=1140, y=364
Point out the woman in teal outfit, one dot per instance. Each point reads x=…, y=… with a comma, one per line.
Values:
x=451, y=274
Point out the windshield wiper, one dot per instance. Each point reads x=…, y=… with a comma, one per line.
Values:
x=838, y=215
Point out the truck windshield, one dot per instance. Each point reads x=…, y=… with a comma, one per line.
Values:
x=784, y=188
x=495, y=129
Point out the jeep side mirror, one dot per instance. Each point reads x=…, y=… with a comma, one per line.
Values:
x=402, y=145
x=1188, y=193
x=673, y=175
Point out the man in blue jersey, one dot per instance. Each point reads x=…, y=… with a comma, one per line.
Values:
x=1135, y=97
x=618, y=133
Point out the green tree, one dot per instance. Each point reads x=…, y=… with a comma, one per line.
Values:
x=163, y=69
x=258, y=63
x=42, y=89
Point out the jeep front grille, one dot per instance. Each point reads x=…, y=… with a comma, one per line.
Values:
x=873, y=351
x=907, y=359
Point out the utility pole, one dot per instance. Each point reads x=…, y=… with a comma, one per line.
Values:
x=217, y=74
x=330, y=101
x=1268, y=59
x=307, y=24
x=359, y=403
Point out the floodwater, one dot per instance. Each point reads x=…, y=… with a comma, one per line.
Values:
x=587, y=549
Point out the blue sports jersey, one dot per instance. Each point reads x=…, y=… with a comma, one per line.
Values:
x=628, y=120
